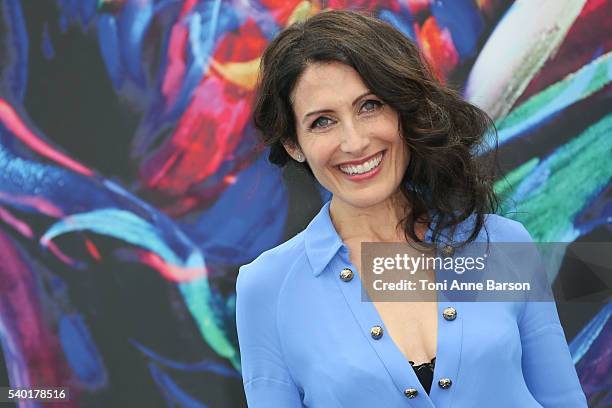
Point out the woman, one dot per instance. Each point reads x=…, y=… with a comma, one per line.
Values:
x=350, y=98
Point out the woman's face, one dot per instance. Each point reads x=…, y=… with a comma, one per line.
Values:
x=350, y=138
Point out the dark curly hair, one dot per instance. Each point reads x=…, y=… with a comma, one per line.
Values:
x=446, y=179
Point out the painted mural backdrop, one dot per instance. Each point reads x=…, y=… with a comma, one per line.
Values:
x=132, y=186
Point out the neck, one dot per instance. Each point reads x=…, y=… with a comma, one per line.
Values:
x=378, y=223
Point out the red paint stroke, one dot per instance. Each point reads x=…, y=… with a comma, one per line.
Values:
x=184, y=204
x=22, y=314
x=40, y=204
x=176, y=68
x=187, y=6
x=168, y=271
x=15, y=125
x=586, y=36
x=92, y=249
x=245, y=44
x=58, y=253
x=368, y=6
x=438, y=47
x=175, y=71
x=418, y=6
x=205, y=136
x=280, y=10
x=19, y=226
x=209, y=130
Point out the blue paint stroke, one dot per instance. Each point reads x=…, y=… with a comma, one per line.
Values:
x=205, y=366
x=127, y=227
x=133, y=22
x=403, y=21
x=16, y=70
x=46, y=44
x=171, y=391
x=575, y=91
x=81, y=351
x=109, y=47
x=581, y=344
x=462, y=18
x=247, y=219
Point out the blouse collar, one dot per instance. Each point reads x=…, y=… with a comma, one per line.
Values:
x=323, y=242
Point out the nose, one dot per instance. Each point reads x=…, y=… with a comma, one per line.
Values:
x=354, y=140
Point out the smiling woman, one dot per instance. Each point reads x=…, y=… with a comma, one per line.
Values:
x=350, y=98
x=353, y=146
x=343, y=80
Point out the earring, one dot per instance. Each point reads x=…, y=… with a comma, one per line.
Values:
x=299, y=157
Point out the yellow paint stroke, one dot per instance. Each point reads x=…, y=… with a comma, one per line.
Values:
x=243, y=74
x=301, y=12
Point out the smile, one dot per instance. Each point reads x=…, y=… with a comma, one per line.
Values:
x=363, y=168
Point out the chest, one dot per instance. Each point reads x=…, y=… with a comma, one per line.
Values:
x=325, y=330
x=413, y=327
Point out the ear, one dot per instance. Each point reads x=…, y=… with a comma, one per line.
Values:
x=294, y=151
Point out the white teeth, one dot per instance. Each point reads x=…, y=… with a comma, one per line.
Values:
x=364, y=167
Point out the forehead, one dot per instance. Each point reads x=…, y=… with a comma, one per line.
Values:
x=325, y=85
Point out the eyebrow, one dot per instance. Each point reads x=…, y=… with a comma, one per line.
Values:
x=306, y=116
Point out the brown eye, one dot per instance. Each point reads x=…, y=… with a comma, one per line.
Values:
x=321, y=123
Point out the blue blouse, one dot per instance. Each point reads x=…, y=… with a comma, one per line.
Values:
x=305, y=338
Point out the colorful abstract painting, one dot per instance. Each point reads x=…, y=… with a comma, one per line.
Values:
x=132, y=185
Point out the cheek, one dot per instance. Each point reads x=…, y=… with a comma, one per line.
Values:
x=319, y=153
x=386, y=127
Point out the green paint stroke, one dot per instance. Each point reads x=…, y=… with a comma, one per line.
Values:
x=506, y=187
x=595, y=75
x=133, y=229
x=197, y=295
x=575, y=174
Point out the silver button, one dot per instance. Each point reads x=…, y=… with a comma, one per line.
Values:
x=445, y=383
x=411, y=392
x=376, y=332
x=447, y=250
x=450, y=313
x=346, y=274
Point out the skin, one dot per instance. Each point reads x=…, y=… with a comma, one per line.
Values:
x=339, y=119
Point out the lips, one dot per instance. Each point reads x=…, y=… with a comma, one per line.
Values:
x=362, y=166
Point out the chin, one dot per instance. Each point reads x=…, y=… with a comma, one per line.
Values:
x=365, y=199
